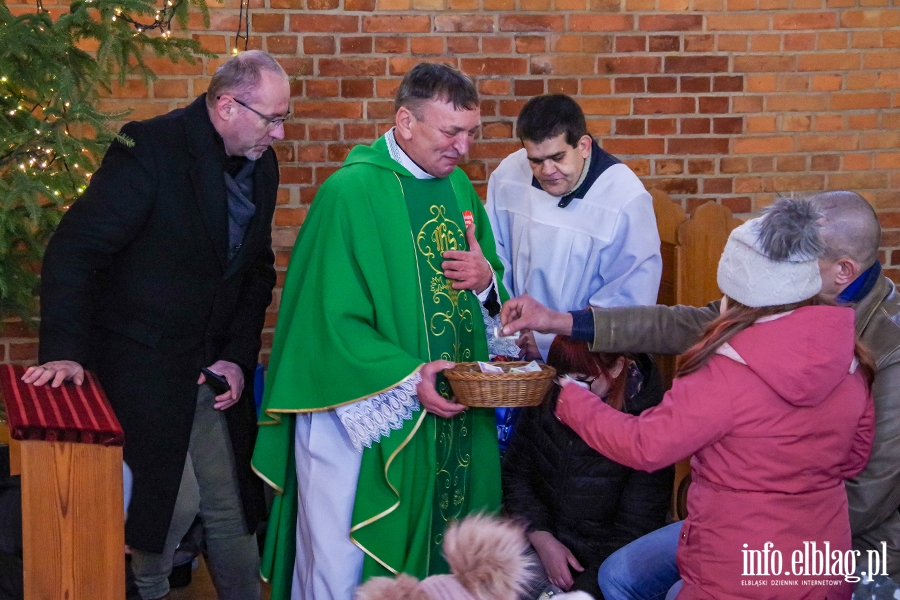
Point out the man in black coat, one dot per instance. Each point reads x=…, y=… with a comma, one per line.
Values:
x=165, y=266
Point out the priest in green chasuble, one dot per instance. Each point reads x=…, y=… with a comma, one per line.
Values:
x=393, y=279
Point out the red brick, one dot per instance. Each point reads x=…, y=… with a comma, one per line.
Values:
x=563, y=86
x=559, y=43
x=295, y=174
x=328, y=110
x=631, y=43
x=790, y=164
x=499, y=130
x=359, y=5
x=728, y=125
x=267, y=22
x=732, y=42
x=759, y=145
x=630, y=127
x=324, y=5
x=596, y=86
x=494, y=87
x=799, y=42
x=887, y=140
x=360, y=131
x=462, y=44
x=528, y=87
x=664, y=105
x=601, y=22
x=662, y=126
x=351, y=67
x=763, y=63
x=634, y=146
x=357, y=88
x=426, y=45
x=494, y=66
x=356, y=45
x=670, y=22
x=318, y=44
x=832, y=40
x=765, y=43
x=695, y=85
x=530, y=44
x=324, y=23
x=391, y=45
x=694, y=126
x=734, y=165
x=866, y=181
x=669, y=166
x=662, y=85
x=857, y=19
x=720, y=185
x=170, y=88
x=860, y=101
x=696, y=64
x=519, y=22
x=396, y=24
x=629, y=85
x=665, y=43
x=699, y=43
x=863, y=121
x=697, y=146
x=289, y=217
x=321, y=173
x=741, y=204
x=796, y=102
x=714, y=104
x=605, y=106
x=675, y=186
x=23, y=351
x=464, y=23
x=825, y=162
x=597, y=44
x=701, y=166
x=829, y=62
x=380, y=110
x=805, y=20
x=629, y=64
x=322, y=88
x=734, y=22
x=496, y=45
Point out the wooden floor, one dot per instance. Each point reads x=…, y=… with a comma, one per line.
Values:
x=201, y=587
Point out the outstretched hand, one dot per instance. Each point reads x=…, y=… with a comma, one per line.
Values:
x=524, y=313
x=428, y=394
x=556, y=558
x=469, y=269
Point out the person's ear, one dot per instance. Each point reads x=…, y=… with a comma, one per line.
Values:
x=404, y=122
x=846, y=271
x=225, y=107
x=584, y=146
x=617, y=368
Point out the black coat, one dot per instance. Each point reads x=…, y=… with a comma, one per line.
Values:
x=555, y=482
x=136, y=285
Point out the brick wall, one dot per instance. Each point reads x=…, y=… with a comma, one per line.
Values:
x=735, y=101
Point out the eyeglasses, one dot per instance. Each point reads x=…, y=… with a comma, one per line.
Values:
x=272, y=122
x=586, y=379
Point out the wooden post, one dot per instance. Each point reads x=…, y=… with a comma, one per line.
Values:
x=73, y=520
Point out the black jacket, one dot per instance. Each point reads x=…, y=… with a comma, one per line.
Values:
x=136, y=285
x=553, y=481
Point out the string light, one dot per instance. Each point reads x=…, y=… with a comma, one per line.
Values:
x=163, y=19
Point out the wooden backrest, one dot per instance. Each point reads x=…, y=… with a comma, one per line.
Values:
x=690, y=249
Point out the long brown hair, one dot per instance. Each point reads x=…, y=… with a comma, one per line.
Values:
x=567, y=356
x=738, y=317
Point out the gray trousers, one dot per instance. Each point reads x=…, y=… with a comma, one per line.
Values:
x=209, y=488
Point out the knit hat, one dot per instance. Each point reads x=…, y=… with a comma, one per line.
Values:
x=773, y=260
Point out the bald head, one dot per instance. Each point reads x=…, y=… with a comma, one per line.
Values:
x=850, y=228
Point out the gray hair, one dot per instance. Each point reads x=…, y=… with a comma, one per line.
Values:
x=240, y=75
x=436, y=81
x=789, y=230
x=850, y=227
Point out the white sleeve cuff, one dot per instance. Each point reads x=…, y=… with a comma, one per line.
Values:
x=367, y=421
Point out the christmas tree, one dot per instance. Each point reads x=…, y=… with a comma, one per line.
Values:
x=52, y=135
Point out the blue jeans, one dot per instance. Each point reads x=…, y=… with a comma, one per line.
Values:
x=645, y=569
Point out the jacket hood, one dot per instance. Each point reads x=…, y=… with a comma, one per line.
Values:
x=802, y=355
x=376, y=155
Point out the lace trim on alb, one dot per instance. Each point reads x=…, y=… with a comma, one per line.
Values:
x=371, y=419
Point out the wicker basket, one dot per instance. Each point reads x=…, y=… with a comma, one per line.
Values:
x=474, y=388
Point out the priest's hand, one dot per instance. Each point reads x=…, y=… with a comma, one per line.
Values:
x=428, y=395
x=54, y=373
x=524, y=313
x=235, y=378
x=469, y=269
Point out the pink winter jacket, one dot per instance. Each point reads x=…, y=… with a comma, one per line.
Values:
x=775, y=422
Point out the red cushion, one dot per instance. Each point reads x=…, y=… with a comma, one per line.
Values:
x=69, y=413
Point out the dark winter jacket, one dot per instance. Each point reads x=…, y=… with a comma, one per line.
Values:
x=555, y=482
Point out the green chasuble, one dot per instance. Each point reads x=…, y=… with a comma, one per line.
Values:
x=364, y=305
